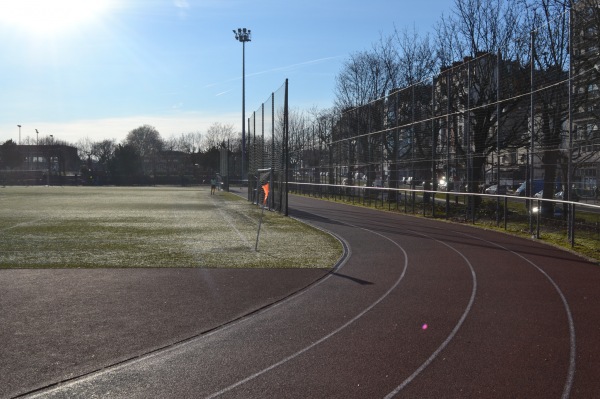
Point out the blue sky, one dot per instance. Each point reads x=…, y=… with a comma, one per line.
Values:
x=74, y=71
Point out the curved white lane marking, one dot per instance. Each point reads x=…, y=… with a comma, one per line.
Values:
x=331, y=334
x=177, y=346
x=572, y=344
x=572, y=356
x=454, y=330
x=370, y=307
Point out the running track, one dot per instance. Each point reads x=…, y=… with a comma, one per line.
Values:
x=417, y=309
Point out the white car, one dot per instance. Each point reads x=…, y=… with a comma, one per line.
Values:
x=493, y=189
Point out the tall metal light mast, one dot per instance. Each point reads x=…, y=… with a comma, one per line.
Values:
x=243, y=35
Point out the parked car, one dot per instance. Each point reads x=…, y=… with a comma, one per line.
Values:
x=495, y=189
x=442, y=185
x=558, y=195
x=522, y=190
x=574, y=196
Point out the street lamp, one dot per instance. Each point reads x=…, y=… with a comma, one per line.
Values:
x=243, y=35
x=37, y=137
x=19, y=134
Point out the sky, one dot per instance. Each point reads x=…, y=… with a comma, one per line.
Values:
x=97, y=69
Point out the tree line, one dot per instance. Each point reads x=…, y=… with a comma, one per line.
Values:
x=144, y=154
x=142, y=157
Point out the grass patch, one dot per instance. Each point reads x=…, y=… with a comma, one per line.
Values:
x=91, y=227
x=552, y=230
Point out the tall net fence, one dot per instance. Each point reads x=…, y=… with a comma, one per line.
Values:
x=520, y=122
x=528, y=112
x=267, y=150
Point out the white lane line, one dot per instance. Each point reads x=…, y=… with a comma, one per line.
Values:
x=331, y=334
x=454, y=330
x=230, y=223
x=572, y=344
x=22, y=224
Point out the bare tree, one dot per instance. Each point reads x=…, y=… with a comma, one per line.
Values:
x=363, y=79
x=360, y=86
x=482, y=38
x=416, y=57
x=322, y=121
x=84, y=148
x=188, y=143
x=299, y=127
x=217, y=134
x=548, y=21
x=406, y=140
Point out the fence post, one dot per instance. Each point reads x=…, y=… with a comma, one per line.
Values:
x=572, y=226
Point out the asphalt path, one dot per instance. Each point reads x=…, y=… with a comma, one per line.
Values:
x=417, y=309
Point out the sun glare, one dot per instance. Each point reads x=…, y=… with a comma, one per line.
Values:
x=51, y=17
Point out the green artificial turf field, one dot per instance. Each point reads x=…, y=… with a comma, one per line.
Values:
x=71, y=227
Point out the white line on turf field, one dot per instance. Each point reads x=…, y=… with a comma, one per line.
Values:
x=228, y=220
x=21, y=224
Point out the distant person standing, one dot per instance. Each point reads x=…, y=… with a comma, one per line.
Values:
x=213, y=185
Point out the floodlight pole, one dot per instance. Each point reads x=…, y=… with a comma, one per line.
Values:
x=243, y=35
x=19, y=126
